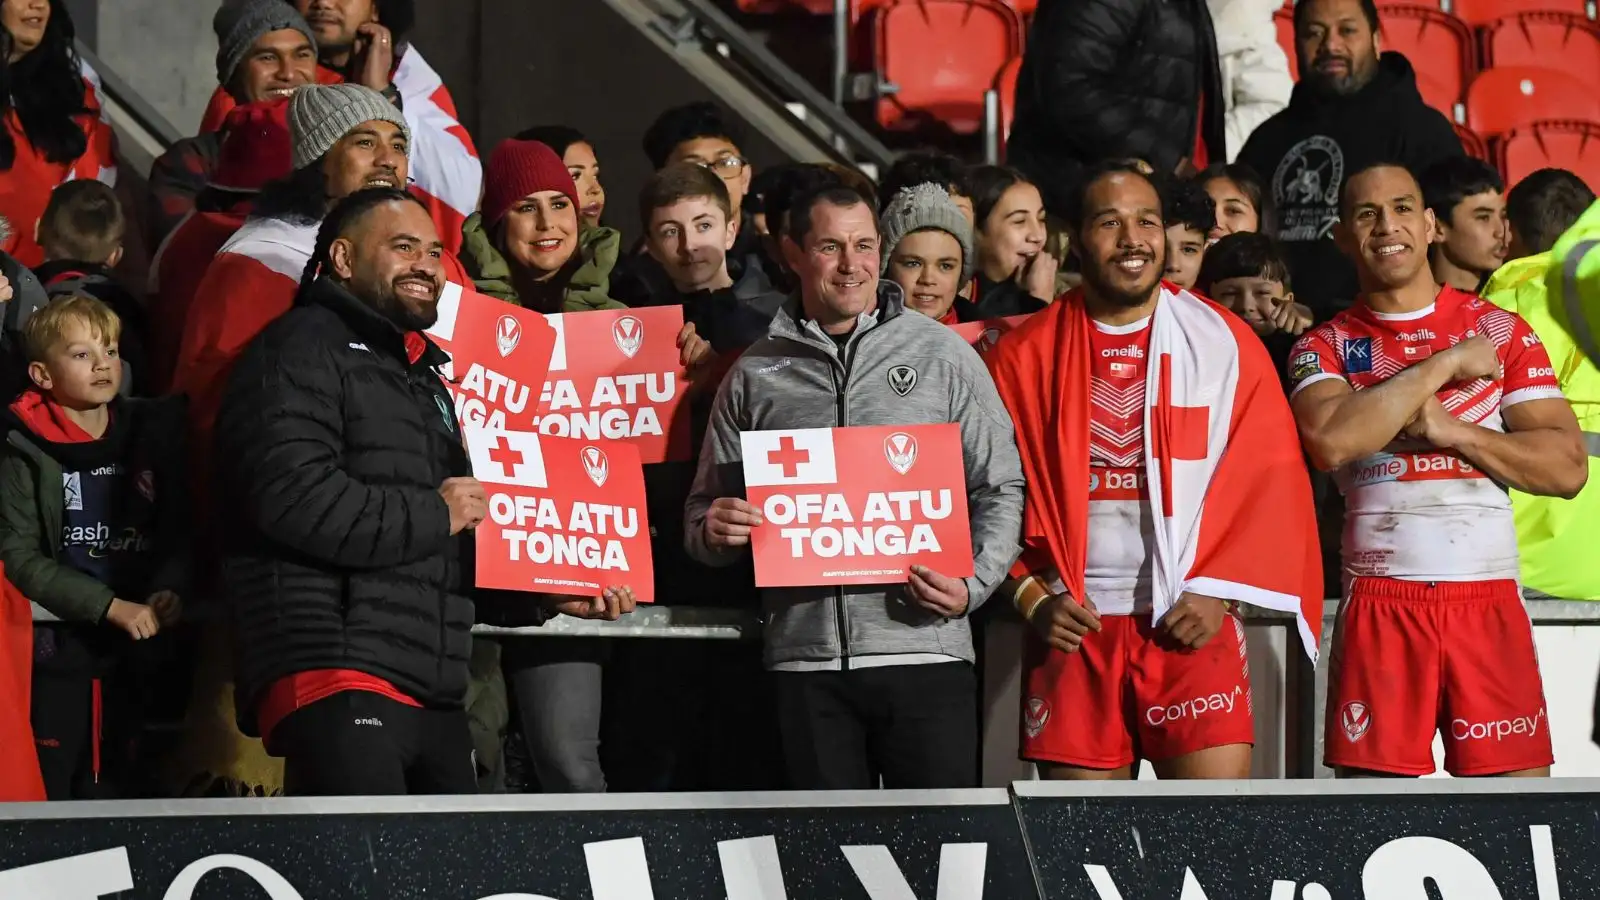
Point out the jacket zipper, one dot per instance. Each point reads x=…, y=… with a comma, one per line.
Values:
x=841, y=415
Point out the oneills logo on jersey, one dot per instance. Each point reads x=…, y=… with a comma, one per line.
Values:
x=507, y=334
x=901, y=450
x=596, y=464
x=628, y=333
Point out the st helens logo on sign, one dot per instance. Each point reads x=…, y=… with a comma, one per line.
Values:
x=507, y=334
x=614, y=376
x=499, y=354
x=857, y=505
x=565, y=516
x=628, y=334
x=985, y=334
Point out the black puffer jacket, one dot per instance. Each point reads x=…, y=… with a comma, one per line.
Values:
x=1113, y=78
x=331, y=446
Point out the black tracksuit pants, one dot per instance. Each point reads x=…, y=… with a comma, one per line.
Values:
x=913, y=726
x=361, y=744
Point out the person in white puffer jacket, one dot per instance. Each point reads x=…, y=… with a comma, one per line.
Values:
x=1255, y=70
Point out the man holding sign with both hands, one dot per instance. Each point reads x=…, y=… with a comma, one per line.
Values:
x=873, y=657
x=351, y=499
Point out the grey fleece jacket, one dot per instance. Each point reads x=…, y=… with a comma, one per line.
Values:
x=797, y=378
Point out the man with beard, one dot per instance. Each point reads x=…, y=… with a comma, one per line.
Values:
x=1352, y=107
x=1427, y=402
x=1165, y=487
x=351, y=502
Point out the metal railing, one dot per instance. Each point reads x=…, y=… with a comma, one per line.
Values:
x=144, y=133
x=823, y=117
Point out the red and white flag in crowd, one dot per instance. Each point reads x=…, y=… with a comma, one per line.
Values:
x=984, y=334
x=499, y=353
x=857, y=505
x=565, y=516
x=615, y=375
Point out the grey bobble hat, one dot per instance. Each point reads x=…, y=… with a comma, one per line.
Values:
x=240, y=23
x=922, y=207
x=321, y=114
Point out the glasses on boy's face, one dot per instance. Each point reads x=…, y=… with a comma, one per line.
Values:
x=728, y=167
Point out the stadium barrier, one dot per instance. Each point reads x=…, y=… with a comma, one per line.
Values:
x=1411, y=840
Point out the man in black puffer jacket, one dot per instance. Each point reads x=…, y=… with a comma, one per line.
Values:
x=340, y=461
x=1116, y=78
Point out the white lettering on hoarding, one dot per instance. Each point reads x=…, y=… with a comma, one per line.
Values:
x=1408, y=868
x=618, y=870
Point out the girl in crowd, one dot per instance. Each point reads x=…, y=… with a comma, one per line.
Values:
x=1243, y=202
x=1015, y=274
x=51, y=109
x=582, y=164
x=927, y=250
x=529, y=245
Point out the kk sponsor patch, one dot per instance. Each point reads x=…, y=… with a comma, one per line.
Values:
x=1358, y=355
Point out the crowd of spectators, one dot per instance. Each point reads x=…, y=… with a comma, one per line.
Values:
x=264, y=541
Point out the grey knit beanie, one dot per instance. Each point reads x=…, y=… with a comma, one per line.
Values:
x=321, y=114
x=922, y=207
x=240, y=23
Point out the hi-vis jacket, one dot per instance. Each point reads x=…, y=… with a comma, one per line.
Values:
x=1558, y=293
x=797, y=377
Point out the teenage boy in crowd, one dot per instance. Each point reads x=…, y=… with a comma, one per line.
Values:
x=701, y=134
x=93, y=529
x=1190, y=216
x=1468, y=202
x=873, y=681
x=81, y=234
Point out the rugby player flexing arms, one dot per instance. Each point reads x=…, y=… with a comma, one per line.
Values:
x=1426, y=402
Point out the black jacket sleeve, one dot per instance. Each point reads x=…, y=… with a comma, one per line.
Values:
x=279, y=447
x=1077, y=53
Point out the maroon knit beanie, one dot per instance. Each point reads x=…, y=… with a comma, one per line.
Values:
x=517, y=169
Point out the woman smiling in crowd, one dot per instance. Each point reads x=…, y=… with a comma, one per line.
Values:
x=529, y=245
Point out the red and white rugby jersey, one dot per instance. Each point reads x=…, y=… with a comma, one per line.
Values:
x=1121, y=529
x=1413, y=511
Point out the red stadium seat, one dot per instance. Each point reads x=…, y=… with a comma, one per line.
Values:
x=1482, y=12
x=942, y=56
x=1504, y=98
x=1439, y=47
x=1283, y=19
x=1550, y=39
x=1006, y=86
x=1475, y=145
x=1570, y=145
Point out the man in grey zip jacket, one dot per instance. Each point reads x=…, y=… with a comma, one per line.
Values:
x=873, y=681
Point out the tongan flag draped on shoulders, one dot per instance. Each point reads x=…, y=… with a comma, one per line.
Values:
x=1228, y=483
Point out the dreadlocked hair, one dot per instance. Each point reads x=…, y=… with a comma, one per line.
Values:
x=344, y=216
x=45, y=89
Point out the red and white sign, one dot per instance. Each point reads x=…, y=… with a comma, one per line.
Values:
x=985, y=334
x=499, y=353
x=565, y=516
x=614, y=375
x=857, y=505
